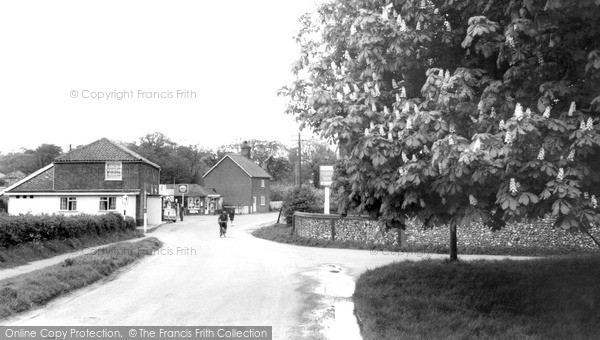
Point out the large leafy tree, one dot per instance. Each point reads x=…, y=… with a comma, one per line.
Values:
x=46, y=153
x=457, y=111
x=179, y=163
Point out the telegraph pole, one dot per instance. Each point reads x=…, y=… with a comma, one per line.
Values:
x=299, y=161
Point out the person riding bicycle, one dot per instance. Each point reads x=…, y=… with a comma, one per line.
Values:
x=222, y=223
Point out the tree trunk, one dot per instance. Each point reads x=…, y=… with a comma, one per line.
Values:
x=593, y=238
x=453, y=243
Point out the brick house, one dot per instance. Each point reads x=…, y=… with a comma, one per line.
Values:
x=100, y=177
x=241, y=182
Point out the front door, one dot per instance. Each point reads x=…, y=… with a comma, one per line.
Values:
x=253, y=204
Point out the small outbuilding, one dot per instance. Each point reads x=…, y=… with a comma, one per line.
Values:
x=197, y=200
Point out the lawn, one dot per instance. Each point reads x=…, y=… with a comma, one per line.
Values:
x=553, y=298
x=31, y=290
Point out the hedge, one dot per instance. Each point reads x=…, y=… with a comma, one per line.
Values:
x=15, y=230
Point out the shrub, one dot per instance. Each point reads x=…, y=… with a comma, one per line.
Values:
x=303, y=199
x=15, y=230
x=279, y=191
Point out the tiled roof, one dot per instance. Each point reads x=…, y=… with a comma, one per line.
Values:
x=251, y=168
x=193, y=190
x=102, y=150
x=43, y=181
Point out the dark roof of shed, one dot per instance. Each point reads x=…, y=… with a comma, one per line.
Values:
x=194, y=190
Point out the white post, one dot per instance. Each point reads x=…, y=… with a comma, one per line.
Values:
x=326, y=210
x=145, y=222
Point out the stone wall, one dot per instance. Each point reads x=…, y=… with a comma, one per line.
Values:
x=520, y=237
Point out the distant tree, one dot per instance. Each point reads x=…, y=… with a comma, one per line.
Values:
x=46, y=153
x=280, y=169
x=314, y=154
x=179, y=163
x=261, y=150
x=25, y=161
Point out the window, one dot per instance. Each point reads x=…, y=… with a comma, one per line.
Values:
x=262, y=183
x=108, y=203
x=262, y=200
x=68, y=203
x=113, y=171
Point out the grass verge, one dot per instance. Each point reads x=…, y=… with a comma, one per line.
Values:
x=555, y=298
x=25, y=253
x=31, y=290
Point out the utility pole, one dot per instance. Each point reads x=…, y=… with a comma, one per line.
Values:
x=299, y=161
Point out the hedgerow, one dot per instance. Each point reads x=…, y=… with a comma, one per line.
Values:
x=16, y=230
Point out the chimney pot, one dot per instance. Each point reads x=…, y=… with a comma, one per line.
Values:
x=246, y=150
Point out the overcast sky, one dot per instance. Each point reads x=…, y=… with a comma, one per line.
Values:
x=226, y=58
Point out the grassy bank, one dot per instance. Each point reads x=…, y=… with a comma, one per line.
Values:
x=31, y=290
x=33, y=251
x=556, y=298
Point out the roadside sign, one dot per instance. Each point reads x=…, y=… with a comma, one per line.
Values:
x=170, y=214
x=183, y=189
x=326, y=175
x=125, y=200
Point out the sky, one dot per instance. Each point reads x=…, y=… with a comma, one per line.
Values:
x=201, y=72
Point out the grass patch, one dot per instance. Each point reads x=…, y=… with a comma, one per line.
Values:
x=31, y=290
x=555, y=298
x=33, y=251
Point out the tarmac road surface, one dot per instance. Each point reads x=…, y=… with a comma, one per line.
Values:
x=200, y=279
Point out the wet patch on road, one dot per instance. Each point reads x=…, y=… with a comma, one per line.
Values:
x=329, y=311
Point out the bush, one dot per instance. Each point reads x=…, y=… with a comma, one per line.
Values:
x=279, y=191
x=303, y=199
x=15, y=230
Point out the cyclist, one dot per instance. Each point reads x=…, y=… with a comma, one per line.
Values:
x=222, y=223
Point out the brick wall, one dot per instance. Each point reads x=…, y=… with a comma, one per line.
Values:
x=258, y=191
x=90, y=176
x=519, y=237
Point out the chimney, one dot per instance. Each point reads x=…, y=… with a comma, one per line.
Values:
x=246, y=150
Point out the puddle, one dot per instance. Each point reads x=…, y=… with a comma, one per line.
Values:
x=335, y=310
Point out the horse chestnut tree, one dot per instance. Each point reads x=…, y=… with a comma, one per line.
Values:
x=457, y=111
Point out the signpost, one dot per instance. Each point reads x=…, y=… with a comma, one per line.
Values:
x=325, y=179
x=183, y=189
x=125, y=201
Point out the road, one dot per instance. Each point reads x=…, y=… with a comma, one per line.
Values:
x=200, y=279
